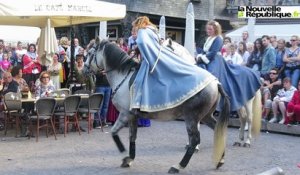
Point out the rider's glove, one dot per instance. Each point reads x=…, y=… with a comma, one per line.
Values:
x=200, y=58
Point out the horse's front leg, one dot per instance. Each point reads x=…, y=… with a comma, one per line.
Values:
x=127, y=161
x=122, y=120
x=194, y=137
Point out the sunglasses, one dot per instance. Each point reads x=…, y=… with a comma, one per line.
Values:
x=45, y=77
x=292, y=40
x=273, y=73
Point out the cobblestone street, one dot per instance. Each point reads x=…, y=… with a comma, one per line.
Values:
x=158, y=147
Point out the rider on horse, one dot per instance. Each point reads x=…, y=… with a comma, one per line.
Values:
x=164, y=80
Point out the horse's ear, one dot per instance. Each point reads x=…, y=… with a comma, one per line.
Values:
x=97, y=40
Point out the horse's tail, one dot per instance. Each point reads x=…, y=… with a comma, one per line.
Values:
x=257, y=112
x=221, y=128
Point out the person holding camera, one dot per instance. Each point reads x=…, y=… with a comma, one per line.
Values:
x=292, y=60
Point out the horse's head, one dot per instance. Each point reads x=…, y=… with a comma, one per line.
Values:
x=95, y=57
x=106, y=56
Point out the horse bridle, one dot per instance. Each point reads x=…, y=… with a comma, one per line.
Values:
x=123, y=80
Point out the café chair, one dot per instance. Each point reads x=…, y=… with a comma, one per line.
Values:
x=44, y=114
x=13, y=108
x=71, y=105
x=93, y=107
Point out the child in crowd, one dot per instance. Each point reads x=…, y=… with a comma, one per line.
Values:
x=4, y=64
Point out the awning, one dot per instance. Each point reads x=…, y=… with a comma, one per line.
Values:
x=282, y=31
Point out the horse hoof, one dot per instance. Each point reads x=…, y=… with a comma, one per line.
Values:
x=237, y=144
x=219, y=165
x=173, y=170
x=246, y=145
x=126, y=162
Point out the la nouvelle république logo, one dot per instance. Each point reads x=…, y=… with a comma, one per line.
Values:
x=269, y=12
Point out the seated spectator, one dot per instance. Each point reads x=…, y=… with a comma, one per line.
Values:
x=17, y=74
x=292, y=60
x=271, y=86
x=45, y=87
x=233, y=57
x=255, y=59
x=282, y=98
x=9, y=85
x=293, y=108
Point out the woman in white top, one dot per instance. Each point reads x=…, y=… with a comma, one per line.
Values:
x=54, y=70
x=242, y=50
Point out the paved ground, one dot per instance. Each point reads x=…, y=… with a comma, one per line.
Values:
x=158, y=147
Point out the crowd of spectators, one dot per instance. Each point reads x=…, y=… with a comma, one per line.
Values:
x=278, y=63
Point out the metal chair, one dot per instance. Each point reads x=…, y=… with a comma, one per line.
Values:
x=71, y=105
x=13, y=107
x=94, y=104
x=82, y=91
x=44, y=113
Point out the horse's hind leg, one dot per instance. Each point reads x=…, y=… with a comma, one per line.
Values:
x=242, y=117
x=194, y=140
x=249, y=116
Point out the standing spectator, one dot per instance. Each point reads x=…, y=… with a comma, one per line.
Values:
x=293, y=108
x=121, y=43
x=64, y=57
x=242, y=50
x=1, y=53
x=31, y=65
x=233, y=57
x=227, y=40
x=255, y=59
x=102, y=86
x=12, y=58
x=273, y=41
x=20, y=51
x=250, y=48
x=77, y=46
x=280, y=51
x=54, y=70
x=270, y=88
x=245, y=36
x=4, y=64
x=269, y=56
x=132, y=39
x=292, y=60
x=282, y=98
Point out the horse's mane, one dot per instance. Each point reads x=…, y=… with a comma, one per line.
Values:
x=116, y=58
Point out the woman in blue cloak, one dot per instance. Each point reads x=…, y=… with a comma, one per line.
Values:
x=164, y=80
x=239, y=82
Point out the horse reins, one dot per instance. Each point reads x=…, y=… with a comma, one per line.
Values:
x=122, y=82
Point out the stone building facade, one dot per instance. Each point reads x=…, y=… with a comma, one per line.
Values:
x=174, y=12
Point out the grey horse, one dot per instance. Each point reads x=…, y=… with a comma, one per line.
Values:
x=119, y=68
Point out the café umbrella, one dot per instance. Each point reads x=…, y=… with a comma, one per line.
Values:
x=48, y=14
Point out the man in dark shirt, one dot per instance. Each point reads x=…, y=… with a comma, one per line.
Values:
x=271, y=85
x=102, y=86
x=9, y=85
